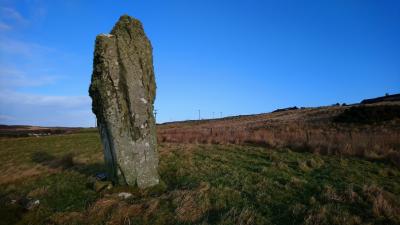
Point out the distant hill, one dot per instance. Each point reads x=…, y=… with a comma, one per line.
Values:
x=33, y=131
x=363, y=130
x=386, y=98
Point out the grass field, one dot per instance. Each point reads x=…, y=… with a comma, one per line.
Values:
x=201, y=184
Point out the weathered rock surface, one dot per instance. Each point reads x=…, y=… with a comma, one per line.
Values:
x=123, y=92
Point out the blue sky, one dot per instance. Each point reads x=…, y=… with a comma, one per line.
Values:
x=234, y=57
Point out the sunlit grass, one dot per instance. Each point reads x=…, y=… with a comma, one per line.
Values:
x=201, y=184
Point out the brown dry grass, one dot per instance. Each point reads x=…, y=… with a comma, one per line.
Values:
x=109, y=210
x=67, y=218
x=17, y=174
x=192, y=204
x=384, y=204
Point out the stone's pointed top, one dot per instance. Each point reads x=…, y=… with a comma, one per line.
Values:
x=126, y=17
x=127, y=24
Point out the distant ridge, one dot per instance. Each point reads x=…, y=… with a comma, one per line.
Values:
x=387, y=98
x=34, y=131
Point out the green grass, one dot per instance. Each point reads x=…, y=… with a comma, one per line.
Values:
x=201, y=184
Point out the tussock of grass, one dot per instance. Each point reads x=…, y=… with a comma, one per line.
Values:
x=201, y=184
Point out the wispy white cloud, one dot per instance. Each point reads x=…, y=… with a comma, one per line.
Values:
x=29, y=77
x=12, y=15
x=4, y=26
x=11, y=78
x=27, y=68
x=6, y=118
x=59, y=102
x=12, y=19
x=22, y=48
x=45, y=110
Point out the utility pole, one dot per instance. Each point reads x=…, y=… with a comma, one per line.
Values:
x=155, y=115
x=220, y=114
x=199, y=115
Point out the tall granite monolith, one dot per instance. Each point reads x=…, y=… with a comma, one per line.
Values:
x=123, y=91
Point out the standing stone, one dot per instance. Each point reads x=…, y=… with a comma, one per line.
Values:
x=123, y=91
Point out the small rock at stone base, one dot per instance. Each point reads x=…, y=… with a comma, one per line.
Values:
x=101, y=185
x=32, y=204
x=124, y=195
